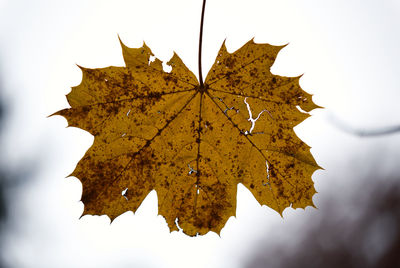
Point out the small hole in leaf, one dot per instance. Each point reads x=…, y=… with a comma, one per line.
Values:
x=268, y=179
x=177, y=224
x=123, y=193
x=253, y=120
x=191, y=170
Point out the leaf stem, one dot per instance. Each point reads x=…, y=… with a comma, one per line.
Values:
x=200, y=43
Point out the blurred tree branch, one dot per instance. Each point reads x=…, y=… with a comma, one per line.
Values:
x=362, y=132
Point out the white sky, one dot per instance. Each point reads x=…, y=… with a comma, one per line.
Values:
x=348, y=51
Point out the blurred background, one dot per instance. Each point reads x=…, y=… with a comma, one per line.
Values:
x=348, y=52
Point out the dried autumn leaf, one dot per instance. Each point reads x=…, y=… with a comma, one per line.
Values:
x=192, y=144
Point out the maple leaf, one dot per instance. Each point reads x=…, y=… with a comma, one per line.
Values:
x=189, y=142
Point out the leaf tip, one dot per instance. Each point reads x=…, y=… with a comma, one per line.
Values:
x=52, y=114
x=313, y=205
x=84, y=213
x=112, y=218
x=72, y=174
x=120, y=41
x=319, y=167
x=218, y=232
x=81, y=67
x=60, y=113
x=284, y=45
x=279, y=48
x=223, y=48
x=174, y=59
x=251, y=41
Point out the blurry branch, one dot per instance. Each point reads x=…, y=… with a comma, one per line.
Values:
x=11, y=179
x=362, y=132
x=364, y=231
x=2, y=179
x=3, y=207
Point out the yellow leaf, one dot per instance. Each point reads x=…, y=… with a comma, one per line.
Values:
x=193, y=144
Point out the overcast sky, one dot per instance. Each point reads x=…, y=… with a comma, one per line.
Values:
x=347, y=50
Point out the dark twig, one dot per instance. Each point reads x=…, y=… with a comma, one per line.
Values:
x=362, y=132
